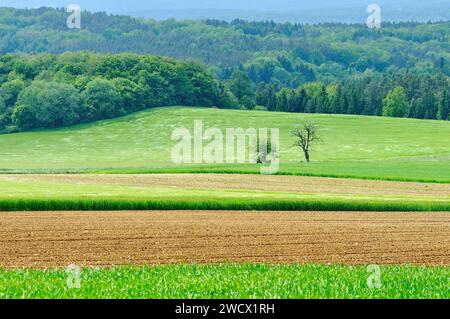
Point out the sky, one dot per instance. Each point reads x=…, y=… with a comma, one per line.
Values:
x=269, y=5
x=323, y=10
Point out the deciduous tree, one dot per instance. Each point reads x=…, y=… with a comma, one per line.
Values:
x=395, y=104
x=306, y=136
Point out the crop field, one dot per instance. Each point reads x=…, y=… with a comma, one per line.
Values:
x=224, y=254
x=57, y=239
x=352, y=146
x=224, y=158
x=245, y=281
x=216, y=191
x=106, y=197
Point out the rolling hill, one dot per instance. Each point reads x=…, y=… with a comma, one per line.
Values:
x=352, y=146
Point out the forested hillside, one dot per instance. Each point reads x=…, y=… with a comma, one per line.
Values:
x=47, y=91
x=399, y=70
x=330, y=50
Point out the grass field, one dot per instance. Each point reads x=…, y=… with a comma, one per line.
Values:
x=353, y=146
x=229, y=281
x=413, y=154
x=215, y=192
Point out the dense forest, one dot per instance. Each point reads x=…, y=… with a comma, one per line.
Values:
x=47, y=91
x=400, y=70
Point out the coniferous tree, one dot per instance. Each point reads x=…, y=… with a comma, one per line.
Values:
x=444, y=107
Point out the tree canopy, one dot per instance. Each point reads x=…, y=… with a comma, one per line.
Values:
x=46, y=91
x=395, y=103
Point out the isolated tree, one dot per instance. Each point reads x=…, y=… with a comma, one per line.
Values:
x=395, y=104
x=306, y=136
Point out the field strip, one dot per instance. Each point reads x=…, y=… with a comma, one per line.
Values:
x=216, y=192
x=264, y=183
x=58, y=239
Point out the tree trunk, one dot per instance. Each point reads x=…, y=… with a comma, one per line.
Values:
x=307, y=156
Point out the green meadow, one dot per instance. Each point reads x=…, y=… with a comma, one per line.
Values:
x=229, y=281
x=352, y=146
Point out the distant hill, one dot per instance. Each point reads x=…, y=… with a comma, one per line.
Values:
x=325, y=68
x=282, y=10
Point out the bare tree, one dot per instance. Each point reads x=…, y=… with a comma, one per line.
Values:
x=306, y=136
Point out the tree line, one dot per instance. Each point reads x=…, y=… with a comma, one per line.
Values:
x=47, y=91
x=403, y=94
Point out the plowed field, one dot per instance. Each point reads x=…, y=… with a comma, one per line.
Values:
x=50, y=239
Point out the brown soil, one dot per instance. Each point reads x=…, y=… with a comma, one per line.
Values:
x=50, y=239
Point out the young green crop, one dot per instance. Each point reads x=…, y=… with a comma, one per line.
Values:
x=229, y=281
